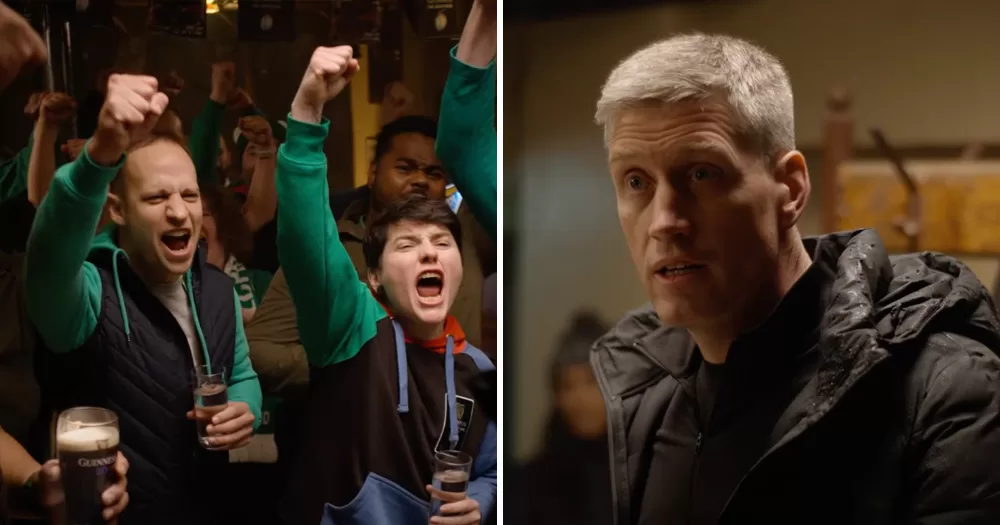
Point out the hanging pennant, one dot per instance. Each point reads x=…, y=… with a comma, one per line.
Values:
x=435, y=18
x=266, y=20
x=178, y=18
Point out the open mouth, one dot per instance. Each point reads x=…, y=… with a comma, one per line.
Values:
x=430, y=284
x=176, y=241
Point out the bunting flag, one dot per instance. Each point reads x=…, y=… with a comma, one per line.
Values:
x=266, y=20
x=178, y=18
x=435, y=18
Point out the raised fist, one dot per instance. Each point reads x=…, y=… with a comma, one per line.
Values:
x=257, y=130
x=329, y=71
x=131, y=108
x=239, y=101
x=51, y=107
x=397, y=101
x=223, y=81
x=489, y=6
x=20, y=46
x=172, y=84
x=73, y=147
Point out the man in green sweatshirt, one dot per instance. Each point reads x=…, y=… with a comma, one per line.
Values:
x=133, y=311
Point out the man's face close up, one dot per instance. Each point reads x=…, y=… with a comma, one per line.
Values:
x=699, y=213
x=160, y=213
x=421, y=271
x=410, y=166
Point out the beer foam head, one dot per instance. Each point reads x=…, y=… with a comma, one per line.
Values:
x=87, y=439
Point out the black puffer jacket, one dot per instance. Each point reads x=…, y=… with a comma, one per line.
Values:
x=894, y=419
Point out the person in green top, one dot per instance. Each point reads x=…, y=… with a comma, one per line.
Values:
x=467, y=136
x=387, y=360
x=133, y=311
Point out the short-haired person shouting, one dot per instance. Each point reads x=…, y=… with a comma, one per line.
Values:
x=131, y=312
x=392, y=373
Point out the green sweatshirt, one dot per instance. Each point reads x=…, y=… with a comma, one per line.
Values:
x=64, y=289
x=14, y=172
x=204, y=141
x=335, y=311
x=467, y=138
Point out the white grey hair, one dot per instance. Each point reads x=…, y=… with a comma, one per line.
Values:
x=696, y=66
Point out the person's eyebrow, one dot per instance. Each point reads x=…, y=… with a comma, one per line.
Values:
x=695, y=147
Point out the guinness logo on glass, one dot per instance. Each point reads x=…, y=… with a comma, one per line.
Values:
x=96, y=462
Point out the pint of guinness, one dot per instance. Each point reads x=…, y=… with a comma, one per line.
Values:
x=87, y=447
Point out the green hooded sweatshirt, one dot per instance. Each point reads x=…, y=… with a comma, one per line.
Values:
x=14, y=172
x=64, y=290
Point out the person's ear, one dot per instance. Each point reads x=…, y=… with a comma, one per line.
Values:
x=374, y=281
x=116, y=209
x=792, y=176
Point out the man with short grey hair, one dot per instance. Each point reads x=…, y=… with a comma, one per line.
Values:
x=776, y=379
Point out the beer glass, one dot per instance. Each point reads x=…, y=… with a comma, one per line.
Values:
x=451, y=474
x=210, y=398
x=87, y=447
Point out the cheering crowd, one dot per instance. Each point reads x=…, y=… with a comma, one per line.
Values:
x=352, y=367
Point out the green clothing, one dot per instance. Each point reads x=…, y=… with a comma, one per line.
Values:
x=335, y=311
x=14, y=172
x=250, y=285
x=204, y=141
x=467, y=138
x=64, y=290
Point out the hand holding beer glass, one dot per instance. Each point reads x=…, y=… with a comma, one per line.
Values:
x=222, y=424
x=450, y=503
x=87, y=481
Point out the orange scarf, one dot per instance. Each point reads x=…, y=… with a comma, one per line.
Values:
x=438, y=344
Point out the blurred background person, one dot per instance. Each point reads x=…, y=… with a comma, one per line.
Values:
x=569, y=481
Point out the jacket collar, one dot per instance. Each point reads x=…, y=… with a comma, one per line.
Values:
x=865, y=303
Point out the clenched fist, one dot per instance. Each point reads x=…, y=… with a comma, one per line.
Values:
x=51, y=108
x=73, y=147
x=329, y=71
x=172, y=84
x=257, y=130
x=223, y=82
x=397, y=101
x=131, y=108
x=20, y=46
x=239, y=101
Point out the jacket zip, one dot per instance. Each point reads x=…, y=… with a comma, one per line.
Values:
x=619, y=472
x=698, y=442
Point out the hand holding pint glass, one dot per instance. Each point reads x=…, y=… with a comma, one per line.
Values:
x=450, y=504
x=222, y=424
x=86, y=484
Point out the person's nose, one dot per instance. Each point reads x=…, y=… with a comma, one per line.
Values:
x=419, y=180
x=670, y=213
x=428, y=253
x=177, y=210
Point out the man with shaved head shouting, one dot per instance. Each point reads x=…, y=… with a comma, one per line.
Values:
x=135, y=310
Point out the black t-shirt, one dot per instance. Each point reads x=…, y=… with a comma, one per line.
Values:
x=707, y=383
